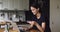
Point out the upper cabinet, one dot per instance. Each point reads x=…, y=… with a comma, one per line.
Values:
x=18, y=4
x=8, y=4
x=1, y=4
x=15, y=4
x=25, y=4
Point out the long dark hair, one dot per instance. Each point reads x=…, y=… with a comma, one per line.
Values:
x=36, y=5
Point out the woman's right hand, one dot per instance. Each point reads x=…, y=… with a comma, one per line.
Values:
x=31, y=24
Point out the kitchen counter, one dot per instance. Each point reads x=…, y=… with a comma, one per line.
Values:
x=11, y=30
x=14, y=25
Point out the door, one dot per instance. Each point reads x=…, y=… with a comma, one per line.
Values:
x=55, y=15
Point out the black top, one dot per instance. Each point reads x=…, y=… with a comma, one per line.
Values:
x=39, y=21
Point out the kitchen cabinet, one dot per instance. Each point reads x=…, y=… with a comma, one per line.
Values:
x=8, y=4
x=18, y=4
x=21, y=4
x=15, y=4
x=0, y=4
x=25, y=4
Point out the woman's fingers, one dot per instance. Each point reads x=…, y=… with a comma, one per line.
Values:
x=29, y=22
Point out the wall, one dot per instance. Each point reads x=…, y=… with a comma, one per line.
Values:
x=14, y=15
x=55, y=15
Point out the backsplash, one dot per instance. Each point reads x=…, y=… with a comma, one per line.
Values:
x=14, y=16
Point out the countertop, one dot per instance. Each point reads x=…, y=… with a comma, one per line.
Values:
x=16, y=29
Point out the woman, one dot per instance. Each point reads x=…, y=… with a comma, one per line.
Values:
x=38, y=21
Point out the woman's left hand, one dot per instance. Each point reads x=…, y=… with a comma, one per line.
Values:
x=32, y=22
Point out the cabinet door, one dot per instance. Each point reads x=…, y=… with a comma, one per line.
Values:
x=25, y=4
x=11, y=4
x=8, y=4
x=21, y=4
x=5, y=4
x=18, y=4
x=1, y=4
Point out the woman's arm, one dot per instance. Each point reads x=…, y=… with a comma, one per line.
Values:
x=43, y=25
x=41, y=29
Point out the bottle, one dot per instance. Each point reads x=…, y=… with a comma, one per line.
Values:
x=6, y=28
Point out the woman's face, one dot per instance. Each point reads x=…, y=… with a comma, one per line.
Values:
x=34, y=10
